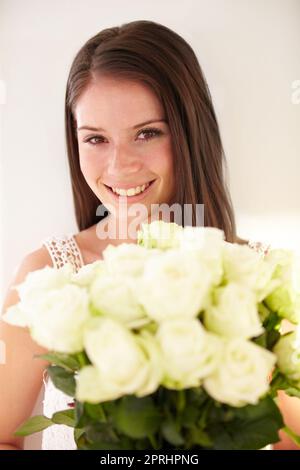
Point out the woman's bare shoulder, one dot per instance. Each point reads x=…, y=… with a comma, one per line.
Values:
x=37, y=258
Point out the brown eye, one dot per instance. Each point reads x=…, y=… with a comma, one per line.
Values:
x=150, y=133
x=91, y=140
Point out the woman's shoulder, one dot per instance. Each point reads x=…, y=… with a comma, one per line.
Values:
x=33, y=260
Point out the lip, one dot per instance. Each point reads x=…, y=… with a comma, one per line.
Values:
x=135, y=198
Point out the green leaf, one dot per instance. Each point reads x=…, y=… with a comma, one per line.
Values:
x=170, y=433
x=198, y=437
x=263, y=311
x=267, y=339
x=261, y=340
x=81, y=419
x=281, y=382
x=204, y=413
x=62, y=379
x=250, y=427
x=272, y=322
x=95, y=411
x=196, y=395
x=292, y=391
x=137, y=417
x=78, y=432
x=66, y=361
x=272, y=338
x=66, y=417
x=189, y=416
x=32, y=425
x=81, y=440
x=87, y=413
x=142, y=444
x=101, y=432
x=82, y=358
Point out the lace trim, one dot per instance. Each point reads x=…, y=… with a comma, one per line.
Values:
x=260, y=247
x=64, y=250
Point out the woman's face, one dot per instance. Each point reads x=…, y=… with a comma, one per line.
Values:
x=118, y=150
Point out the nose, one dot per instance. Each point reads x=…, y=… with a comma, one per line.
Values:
x=123, y=161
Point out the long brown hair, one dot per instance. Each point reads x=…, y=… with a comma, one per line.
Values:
x=160, y=58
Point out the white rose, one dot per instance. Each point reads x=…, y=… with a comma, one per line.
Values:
x=159, y=234
x=88, y=273
x=285, y=301
x=38, y=283
x=287, y=350
x=189, y=353
x=174, y=284
x=91, y=388
x=243, y=376
x=233, y=313
x=14, y=315
x=127, y=362
x=285, y=298
x=150, y=346
x=52, y=308
x=246, y=266
x=126, y=259
x=207, y=245
x=286, y=265
x=62, y=316
x=114, y=296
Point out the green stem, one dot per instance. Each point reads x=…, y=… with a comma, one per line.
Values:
x=153, y=441
x=81, y=359
x=180, y=404
x=295, y=437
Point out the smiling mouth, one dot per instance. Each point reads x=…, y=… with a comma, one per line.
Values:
x=125, y=194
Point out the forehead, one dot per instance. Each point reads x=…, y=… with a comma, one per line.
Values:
x=109, y=101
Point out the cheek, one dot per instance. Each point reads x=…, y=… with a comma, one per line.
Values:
x=161, y=162
x=91, y=167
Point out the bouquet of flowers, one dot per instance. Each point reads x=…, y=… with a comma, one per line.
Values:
x=171, y=343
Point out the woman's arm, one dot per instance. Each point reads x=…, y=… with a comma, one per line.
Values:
x=8, y=447
x=21, y=376
x=290, y=409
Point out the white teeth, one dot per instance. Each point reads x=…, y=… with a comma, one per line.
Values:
x=130, y=191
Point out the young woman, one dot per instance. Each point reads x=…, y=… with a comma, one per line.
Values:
x=140, y=130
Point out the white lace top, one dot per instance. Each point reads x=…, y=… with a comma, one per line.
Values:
x=60, y=437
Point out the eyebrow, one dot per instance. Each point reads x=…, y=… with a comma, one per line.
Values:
x=90, y=128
